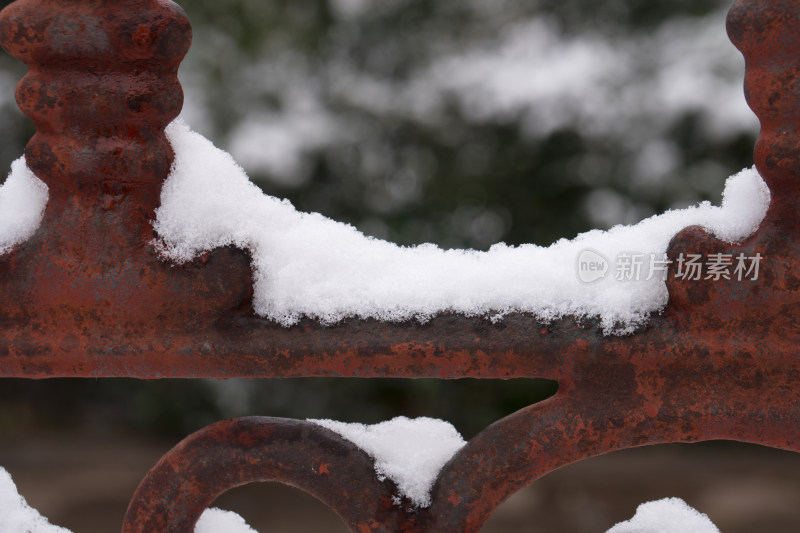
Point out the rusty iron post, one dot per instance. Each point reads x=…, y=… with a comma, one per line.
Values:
x=101, y=87
x=87, y=295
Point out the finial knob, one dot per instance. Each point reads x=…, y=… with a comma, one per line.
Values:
x=102, y=86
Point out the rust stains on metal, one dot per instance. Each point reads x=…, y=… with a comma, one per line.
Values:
x=87, y=295
x=101, y=87
x=235, y=452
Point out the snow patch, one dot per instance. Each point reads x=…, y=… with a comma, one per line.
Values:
x=410, y=452
x=306, y=265
x=215, y=520
x=16, y=516
x=23, y=198
x=670, y=515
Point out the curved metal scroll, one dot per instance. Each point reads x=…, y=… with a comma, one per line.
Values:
x=235, y=452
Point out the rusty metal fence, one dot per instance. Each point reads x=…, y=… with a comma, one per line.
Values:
x=87, y=296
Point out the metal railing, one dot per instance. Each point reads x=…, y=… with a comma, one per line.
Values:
x=88, y=296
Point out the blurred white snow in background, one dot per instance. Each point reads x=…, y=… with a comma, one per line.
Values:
x=624, y=86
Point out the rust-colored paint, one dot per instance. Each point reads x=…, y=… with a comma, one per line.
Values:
x=88, y=296
x=102, y=85
x=235, y=452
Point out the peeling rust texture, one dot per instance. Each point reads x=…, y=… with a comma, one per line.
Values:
x=88, y=296
x=235, y=452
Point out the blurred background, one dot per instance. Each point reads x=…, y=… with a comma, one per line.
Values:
x=459, y=123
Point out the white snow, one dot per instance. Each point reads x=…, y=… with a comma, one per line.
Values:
x=670, y=515
x=306, y=265
x=215, y=520
x=410, y=452
x=600, y=84
x=16, y=516
x=23, y=198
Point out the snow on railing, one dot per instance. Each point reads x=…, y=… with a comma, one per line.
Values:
x=670, y=515
x=16, y=516
x=306, y=265
x=409, y=452
x=23, y=198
